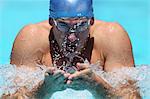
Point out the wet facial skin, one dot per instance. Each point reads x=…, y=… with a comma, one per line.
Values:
x=72, y=31
x=71, y=36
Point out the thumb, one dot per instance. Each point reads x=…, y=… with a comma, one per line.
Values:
x=82, y=66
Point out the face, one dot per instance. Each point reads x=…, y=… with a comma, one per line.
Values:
x=71, y=33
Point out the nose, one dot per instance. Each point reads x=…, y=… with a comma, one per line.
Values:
x=72, y=37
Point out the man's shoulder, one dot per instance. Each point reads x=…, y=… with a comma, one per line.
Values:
x=109, y=34
x=33, y=33
x=33, y=36
x=113, y=42
x=107, y=28
x=35, y=28
x=31, y=41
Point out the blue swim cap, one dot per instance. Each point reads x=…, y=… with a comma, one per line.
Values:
x=71, y=8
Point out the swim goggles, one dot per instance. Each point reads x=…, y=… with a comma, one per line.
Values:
x=72, y=24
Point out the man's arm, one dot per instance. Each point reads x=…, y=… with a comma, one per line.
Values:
x=118, y=49
x=25, y=51
x=118, y=54
x=27, y=47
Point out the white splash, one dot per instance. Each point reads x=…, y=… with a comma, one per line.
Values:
x=12, y=78
x=139, y=74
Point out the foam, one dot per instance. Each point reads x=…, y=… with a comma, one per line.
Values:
x=13, y=78
x=25, y=77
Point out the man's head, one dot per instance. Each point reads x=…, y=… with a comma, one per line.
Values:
x=71, y=8
x=71, y=20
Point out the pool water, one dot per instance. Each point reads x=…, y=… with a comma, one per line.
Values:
x=133, y=15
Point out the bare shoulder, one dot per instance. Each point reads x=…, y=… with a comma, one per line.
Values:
x=33, y=30
x=113, y=41
x=108, y=29
x=30, y=43
x=110, y=33
x=33, y=34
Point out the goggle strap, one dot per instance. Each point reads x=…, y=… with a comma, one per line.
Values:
x=89, y=21
x=55, y=22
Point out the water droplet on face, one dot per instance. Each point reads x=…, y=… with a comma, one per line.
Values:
x=76, y=45
x=52, y=41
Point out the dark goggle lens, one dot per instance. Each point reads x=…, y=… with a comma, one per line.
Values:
x=62, y=26
x=78, y=27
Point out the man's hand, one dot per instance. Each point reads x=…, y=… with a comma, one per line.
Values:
x=54, y=81
x=81, y=79
x=83, y=72
x=85, y=78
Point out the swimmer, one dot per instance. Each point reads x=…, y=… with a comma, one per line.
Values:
x=70, y=37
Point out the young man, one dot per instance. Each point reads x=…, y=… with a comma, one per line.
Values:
x=67, y=40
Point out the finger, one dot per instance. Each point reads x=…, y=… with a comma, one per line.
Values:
x=79, y=74
x=82, y=66
x=54, y=72
x=58, y=72
x=50, y=71
x=69, y=82
x=66, y=75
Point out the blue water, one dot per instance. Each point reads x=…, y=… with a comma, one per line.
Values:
x=133, y=15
